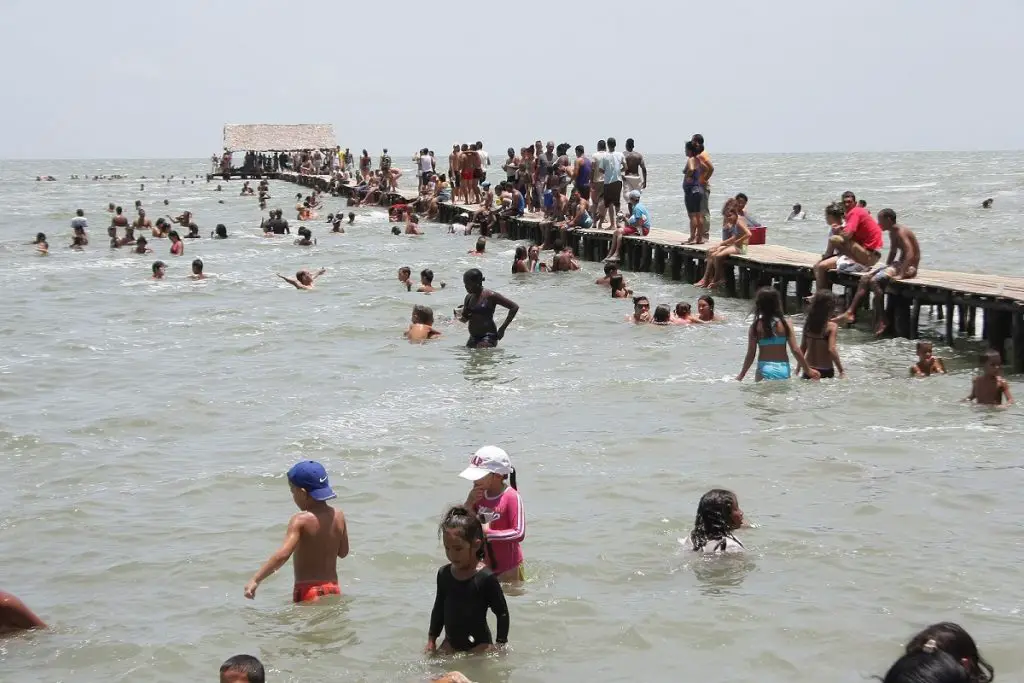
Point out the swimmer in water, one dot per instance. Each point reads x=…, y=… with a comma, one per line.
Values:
x=706, y=309
x=641, y=311
x=478, y=311
x=303, y=279
x=421, y=328
x=197, y=270
x=16, y=616
x=412, y=224
x=351, y=218
x=305, y=238
x=221, y=232
x=611, y=269
x=427, y=281
x=404, y=273
x=989, y=388
x=927, y=364
x=662, y=315
x=193, y=232
x=395, y=230
x=41, y=245
x=242, y=669
x=140, y=246
x=617, y=284
x=336, y=224
x=159, y=270
x=481, y=246
x=683, y=315
x=987, y=204
x=718, y=516
x=177, y=246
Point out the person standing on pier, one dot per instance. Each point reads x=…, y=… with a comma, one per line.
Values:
x=582, y=172
x=613, y=183
x=597, y=183
x=511, y=166
x=707, y=170
x=634, y=167
x=693, y=194
x=901, y=264
x=385, y=171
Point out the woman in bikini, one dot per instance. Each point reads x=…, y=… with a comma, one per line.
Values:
x=819, y=338
x=478, y=311
x=769, y=336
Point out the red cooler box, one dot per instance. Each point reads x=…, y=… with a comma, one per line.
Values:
x=758, y=234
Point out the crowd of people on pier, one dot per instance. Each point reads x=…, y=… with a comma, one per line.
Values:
x=483, y=538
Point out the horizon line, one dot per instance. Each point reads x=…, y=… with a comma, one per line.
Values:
x=776, y=153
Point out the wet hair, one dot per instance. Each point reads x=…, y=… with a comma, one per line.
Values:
x=246, y=664
x=158, y=265
x=922, y=345
x=197, y=265
x=521, y=255
x=661, y=314
x=351, y=215
x=955, y=641
x=835, y=210
x=714, y=519
x=929, y=665
x=638, y=299
x=797, y=207
x=79, y=212
x=173, y=235
x=427, y=274
x=683, y=309
x=768, y=309
x=707, y=298
x=424, y=315
x=396, y=231
x=610, y=268
x=40, y=237
x=742, y=197
x=989, y=356
x=616, y=283
x=473, y=275
x=405, y=269
x=888, y=214
x=221, y=231
x=468, y=525
x=481, y=244
x=819, y=312
x=558, y=246
x=850, y=195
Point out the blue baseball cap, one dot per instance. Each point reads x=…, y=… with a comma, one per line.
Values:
x=311, y=476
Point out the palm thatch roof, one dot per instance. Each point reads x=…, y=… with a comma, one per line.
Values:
x=261, y=137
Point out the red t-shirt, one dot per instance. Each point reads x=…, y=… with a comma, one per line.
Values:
x=863, y=229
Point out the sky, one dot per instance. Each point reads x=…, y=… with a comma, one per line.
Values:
x=142, y=79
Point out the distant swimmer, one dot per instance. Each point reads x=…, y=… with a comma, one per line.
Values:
x=718, y=516
x=79, y=221
x=193, y=233
x=42, y=246
x=641, y=311
x=177, y=245
x=220, y=233
x=404, y=273
x=421, y=328
x=317, y=535
x=351, y=218
x=797, y=214
x=140, y=246
x=303, y=279
x=412, y=225
x=478, y=310
x=159, y=270
x=427, y=281
x=305, y=238
x=481, y=246
x=197, y=270
x=987, y=204
x=16, y=616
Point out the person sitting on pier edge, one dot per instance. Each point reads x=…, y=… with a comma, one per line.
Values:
x=901, y=264
x=735, y=237
x=638, y=223
x=860, y=241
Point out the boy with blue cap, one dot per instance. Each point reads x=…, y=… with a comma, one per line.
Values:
x=317, y=535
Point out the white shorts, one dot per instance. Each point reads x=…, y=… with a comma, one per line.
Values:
x=845, y=264
x=630, y=183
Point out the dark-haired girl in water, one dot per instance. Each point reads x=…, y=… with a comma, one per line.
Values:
x=519, y=260
x=957, y=643
x=478, y=311
x=718, y=515
x=618, y=287
x=706, y=309
x=466, y=589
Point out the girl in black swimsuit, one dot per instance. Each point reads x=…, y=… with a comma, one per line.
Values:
x=478, y=311
x=819, y=338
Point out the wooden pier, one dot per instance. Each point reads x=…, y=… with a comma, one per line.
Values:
x=952, y=297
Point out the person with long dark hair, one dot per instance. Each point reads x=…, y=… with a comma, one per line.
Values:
x=767, y=339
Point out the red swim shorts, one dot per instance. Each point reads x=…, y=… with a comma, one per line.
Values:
x=311, y=591
x=630, y=230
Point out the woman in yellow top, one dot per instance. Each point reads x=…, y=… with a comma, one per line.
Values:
x=735, y=235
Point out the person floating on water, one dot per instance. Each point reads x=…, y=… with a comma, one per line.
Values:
x=317, y=535
x=421, y=328
x=478, y=311
x=303, y=279
x=466, y=589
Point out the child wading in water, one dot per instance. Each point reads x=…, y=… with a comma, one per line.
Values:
x=421, y=328
x=819, y=338
x=496, y=500
x=927, y=364
x=466, y=589
x=317, y=536
x=989, y=388
x=768, y=337
x=718, y=515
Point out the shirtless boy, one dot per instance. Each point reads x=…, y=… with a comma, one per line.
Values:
x=303, y=279
x=635, y=165
x=317, y=536
x=901, y=264
x=926, y=364
x=421, y=328
x=404, y=273
x=989, y=388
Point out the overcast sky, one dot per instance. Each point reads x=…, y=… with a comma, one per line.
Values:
x=118, y=78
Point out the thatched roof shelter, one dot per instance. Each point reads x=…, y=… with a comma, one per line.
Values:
x=260, y=137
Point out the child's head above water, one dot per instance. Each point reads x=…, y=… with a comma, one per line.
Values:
x=955, y=641
x=991, y=362
x=309, y=484
x=661, y=314
x=403, y=273
x=422, y=315
x=718, y=514
x=683, y=309
x=616, y=283
x=463, y=537
x=930, y=665
x=197, y=266
x=242, y=669
x=481, y=244
x=610, y=269
x=427, y=276
x=924, y=350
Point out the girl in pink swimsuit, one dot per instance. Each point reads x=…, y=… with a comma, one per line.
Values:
x=495, y=499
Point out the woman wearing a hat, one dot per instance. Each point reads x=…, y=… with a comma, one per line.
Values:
x=496, y=500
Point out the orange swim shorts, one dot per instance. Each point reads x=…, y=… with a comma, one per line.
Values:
x=311, y=591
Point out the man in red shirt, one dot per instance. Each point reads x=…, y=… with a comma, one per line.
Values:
x=859, y=241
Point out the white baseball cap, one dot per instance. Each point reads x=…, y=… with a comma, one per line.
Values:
x=487, y=460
